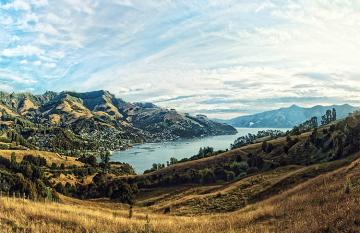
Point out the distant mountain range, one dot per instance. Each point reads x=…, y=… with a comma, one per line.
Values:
x=94, y=120
x=287, y=117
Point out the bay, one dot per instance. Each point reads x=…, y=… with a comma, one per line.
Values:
x=142, y=156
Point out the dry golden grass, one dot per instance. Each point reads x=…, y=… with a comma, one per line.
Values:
x=55, y=118
x=49, y=156
x=8, y=110
x=25, y=216
x=75, y=109
x=199, y=200
x=26, y=106
x=322, y=204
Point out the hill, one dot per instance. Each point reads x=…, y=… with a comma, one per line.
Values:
x=326, y=203
x=277, y=184
x=93, y=121
x=287, y=117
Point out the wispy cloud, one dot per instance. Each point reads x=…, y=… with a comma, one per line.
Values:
x=214, y=57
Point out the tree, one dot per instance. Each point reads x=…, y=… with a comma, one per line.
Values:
x=154, y=167
x=173, y=160
x=329, y=116
x=13, y=158
x=314, y=122
x=123, y=192
x=91, y=160
x=105, y=159
x=333, y=114
x=267, y=147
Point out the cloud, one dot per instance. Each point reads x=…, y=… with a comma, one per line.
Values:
x=16, y=5
x=22, y=51
x=217, y=57
x=176, y=98
x=11, y=78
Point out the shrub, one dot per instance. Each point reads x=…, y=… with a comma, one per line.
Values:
x=53, y=166
x=230, y=175
x=207, y=176
x=255, y=161
x=37, y=161
x=238, y=168
x=220, y=173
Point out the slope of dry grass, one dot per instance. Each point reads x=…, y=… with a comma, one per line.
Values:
x=49, y=156
x=327, y=203
x=221, y=198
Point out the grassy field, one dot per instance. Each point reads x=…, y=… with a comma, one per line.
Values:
x=326, y=203
x=49, y=156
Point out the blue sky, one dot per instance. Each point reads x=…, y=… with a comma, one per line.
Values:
x=222, y=58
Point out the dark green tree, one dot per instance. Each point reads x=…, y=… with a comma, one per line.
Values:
x=105, y=159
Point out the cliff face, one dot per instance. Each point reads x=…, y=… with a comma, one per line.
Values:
x=97, y=119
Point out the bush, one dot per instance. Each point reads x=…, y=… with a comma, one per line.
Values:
x=37, y=161
x=91, y=160
x=5, y=162
x=238, y=168
x=207, y=176
x=53, y=166
x=230, y=175
x=123, y=192
x=220, y=173
x=255, y=161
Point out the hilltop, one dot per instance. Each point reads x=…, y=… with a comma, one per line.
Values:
x=287, y=117
x=70, y=121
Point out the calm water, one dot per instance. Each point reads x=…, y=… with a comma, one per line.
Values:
x=141, y=157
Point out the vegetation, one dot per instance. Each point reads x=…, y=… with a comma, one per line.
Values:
x=252, y=138
x=72, y=123
x=260, y=153
x=304, y=206
x=34, y=177
x=268, y=182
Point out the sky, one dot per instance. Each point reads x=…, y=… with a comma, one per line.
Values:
x=220, y=58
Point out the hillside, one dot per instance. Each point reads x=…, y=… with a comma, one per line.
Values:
x=287, y=117
x=92, y=121
x=270, y=185
x=326, y=203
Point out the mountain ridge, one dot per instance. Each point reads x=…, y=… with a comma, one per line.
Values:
x=97, y=118
x=287, y=117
